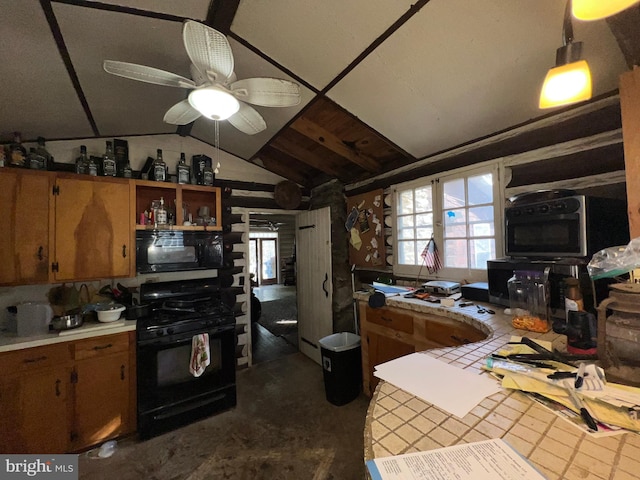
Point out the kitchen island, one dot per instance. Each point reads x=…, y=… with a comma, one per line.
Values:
x=397, y=422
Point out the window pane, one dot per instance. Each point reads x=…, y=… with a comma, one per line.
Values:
x=481, y=251
x=405, y=202
x=456, y=253
x=406, y=233
x=481, y=222
x=407, y=253
x=454, y=193
x=405, y=221
x=424, y=220
x=480, y=189
x=424, y=199
x=455, y=223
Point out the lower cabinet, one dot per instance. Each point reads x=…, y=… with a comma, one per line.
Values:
x=68, y=396
x=387, y=333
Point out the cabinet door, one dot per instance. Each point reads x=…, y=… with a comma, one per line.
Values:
x=24, y=241
x=35, y=412
x=92, y=238
x=101, y=399
x=380, y=349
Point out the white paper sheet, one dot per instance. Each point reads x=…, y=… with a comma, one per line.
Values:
x=487, y=460
x=451, y=388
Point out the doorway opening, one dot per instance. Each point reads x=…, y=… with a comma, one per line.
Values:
x=272, y=268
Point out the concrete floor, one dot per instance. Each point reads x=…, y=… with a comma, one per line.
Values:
x=282, y=428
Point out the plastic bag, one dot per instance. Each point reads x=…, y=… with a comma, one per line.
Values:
x=613, y=261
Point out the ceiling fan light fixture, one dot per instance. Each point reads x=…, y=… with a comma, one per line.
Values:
x=597, y=9
x=566, y=84
x=213, y=102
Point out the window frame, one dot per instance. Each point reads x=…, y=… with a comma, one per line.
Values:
x=436, y=181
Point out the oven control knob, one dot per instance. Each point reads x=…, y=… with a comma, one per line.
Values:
x=559, y=206
x=170, y=331
x=159, y=333
x=529, y=211
x=543, y=208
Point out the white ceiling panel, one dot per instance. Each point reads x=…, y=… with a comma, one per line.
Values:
x=459, y=70
x=316, y=40
x=195, y=9
x=120, y=105
x=248, y=65
x=38, y=97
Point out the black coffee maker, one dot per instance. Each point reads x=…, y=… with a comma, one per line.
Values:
x=581, y=331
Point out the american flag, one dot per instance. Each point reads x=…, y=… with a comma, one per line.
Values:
x=431, y=258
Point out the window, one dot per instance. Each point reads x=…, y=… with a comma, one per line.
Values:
x=460, y=211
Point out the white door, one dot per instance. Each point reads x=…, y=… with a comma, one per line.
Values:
x=315, y=286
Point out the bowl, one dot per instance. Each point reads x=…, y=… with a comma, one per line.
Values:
x=109, y=312
x=66, y=322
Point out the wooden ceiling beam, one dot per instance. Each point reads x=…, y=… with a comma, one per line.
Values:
x=331, y=141
x=279, y=168
x=294, y=150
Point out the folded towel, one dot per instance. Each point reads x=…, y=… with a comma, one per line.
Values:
x=199, y=354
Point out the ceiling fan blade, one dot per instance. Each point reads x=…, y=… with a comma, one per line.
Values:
x=247, y=120
x=267, y=92
x=208, y=50
x=182, y=113
x=146, y=74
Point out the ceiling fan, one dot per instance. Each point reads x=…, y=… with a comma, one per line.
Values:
x=215, y=92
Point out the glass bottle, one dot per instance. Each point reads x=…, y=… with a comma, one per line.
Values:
x=208, y=176
x=17, y=153
x=82, y=163
x=127, y=172
x=159, y=168
x=36, y=161
x=161, y=213
x=573, y=300
x=42, y=151
x=182, y=170
x=92, y=167
x=109, y=161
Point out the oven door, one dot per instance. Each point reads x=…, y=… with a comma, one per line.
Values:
x=546, y=236
x=168, y=394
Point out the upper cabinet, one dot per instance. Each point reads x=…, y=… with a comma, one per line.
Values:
x=24, y=241
x=200, y=203
x=92, y=229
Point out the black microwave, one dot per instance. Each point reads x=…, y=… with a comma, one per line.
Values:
x=177, y=250
x=572, y=226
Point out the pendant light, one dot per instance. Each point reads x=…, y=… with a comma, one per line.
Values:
x=597, y=9
x=570, y=80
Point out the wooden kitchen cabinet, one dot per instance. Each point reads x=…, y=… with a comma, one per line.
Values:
x=68, y=396
x=388, y=333
x=102, y=387
x=35, y=400
x=24, y=242
x=93, y=234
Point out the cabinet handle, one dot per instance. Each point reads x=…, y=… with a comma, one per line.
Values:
x=40, y=256
x=58, y=388
x=103, y=347
x=324, y=284
x=121, y=372
x=124, y=251
x=34, y=360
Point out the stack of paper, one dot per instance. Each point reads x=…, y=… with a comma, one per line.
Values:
x=448, y=387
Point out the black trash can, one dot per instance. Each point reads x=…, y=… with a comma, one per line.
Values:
x=341, y=366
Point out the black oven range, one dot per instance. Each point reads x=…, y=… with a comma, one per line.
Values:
x=169, y=395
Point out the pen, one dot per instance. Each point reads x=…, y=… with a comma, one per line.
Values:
x=579, y=376
x=584, y=413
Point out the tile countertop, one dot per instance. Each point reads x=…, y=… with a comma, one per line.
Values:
x=397, y=422
x=9, y=342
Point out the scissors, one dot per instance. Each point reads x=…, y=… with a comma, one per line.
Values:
x=484, y=310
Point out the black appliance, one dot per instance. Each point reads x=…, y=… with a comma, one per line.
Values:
x=581, y=331
x=177, y=250
x=564, y=226
x=169, y=396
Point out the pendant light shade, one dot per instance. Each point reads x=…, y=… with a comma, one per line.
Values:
x=597, y=9
x=214, y=102
x=566, y=84
x=570, y=80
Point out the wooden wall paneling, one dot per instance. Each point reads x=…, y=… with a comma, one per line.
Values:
x=630, y=107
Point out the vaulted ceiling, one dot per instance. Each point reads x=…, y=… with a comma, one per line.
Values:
x=384, y=84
